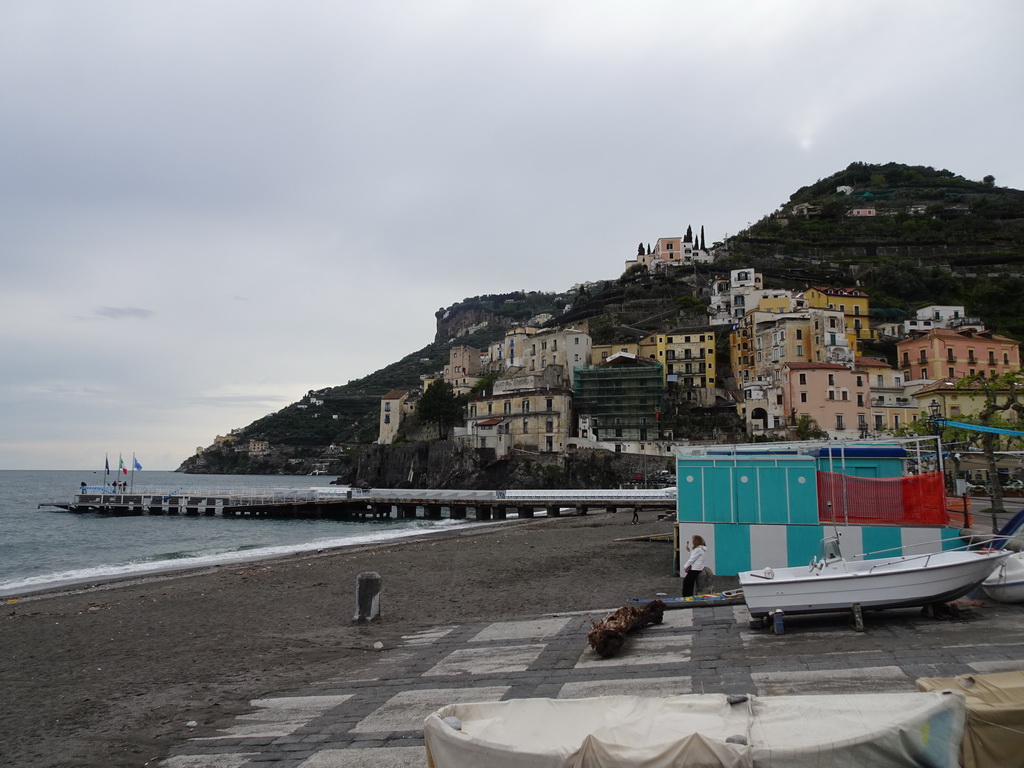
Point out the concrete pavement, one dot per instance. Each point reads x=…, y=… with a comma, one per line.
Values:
x=374, y=719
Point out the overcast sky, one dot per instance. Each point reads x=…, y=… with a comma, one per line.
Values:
x=208, y=208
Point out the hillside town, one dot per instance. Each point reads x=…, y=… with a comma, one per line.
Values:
x=788, y=364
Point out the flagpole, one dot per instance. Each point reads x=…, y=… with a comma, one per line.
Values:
x=131, y=480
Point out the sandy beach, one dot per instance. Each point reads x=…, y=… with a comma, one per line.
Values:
x=111, y=675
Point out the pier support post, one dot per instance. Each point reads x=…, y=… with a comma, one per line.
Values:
x=457, y=512
x=553, y=510
x=367, y=596
x=432, y=511
x=501, y=513
x=484, y=512
x=526, y=512
x=581, y=509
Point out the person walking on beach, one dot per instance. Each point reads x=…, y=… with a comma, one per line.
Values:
x=694, y=565
x=636, y=514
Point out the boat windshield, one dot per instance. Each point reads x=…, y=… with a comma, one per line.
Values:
x=830, y=549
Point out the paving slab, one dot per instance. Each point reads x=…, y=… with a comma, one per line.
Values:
x=407, y=710
x=628, y=686
x=522, y=630
x=865, y=680
x=487, y=661
x=380, y=757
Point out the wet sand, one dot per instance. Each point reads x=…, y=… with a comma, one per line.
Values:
x=111, y=675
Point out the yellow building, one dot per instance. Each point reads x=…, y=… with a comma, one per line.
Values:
x=601, y=352
x=852, y=303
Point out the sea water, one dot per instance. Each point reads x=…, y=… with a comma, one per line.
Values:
x=44, y=547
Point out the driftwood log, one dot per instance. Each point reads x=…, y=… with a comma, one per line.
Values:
x=608, y=636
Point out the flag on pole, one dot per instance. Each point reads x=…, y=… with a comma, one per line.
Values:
x=106, y=464
x=135, y=463
x=120, y=464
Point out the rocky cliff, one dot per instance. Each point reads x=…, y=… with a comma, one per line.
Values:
x=451, y=465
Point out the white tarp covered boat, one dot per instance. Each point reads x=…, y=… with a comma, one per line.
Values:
x=993, y=737
x=893, y=729
x=1006, y=582
x=835, y=583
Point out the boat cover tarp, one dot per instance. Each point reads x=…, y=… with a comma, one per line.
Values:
x=994, y=736
x=701, y=730
x=908, y=500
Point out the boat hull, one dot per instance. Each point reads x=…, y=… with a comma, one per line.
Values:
x=1006, y=582
x=900, y=582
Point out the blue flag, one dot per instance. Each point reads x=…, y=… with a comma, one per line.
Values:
x=135, y=464
x=106, y=464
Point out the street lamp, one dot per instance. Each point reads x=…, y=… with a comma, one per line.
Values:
x=934, y=414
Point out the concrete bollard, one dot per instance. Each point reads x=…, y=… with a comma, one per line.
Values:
x=367, y=596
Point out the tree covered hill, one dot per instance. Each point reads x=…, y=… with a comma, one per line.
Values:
x=934, y=238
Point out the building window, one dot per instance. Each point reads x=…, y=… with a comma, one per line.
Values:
x=803, y=397
x=526, y=406
x=526, y=426
x=549, y=425
x=387, y=418
x=831, y=379
x=387, y=407
x=507, y=407
x=860, y=400
x=549, y=404
x=803, y=379
x=878, y=421
x=840, y=421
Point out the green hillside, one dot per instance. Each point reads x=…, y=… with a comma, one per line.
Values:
x=934, y=238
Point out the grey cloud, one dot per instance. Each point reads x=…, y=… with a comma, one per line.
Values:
x=124, y=313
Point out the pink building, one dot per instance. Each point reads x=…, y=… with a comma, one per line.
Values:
x=836, y=398
x=942, y=353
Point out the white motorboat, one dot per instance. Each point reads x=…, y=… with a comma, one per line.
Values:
x=1006, y=582
x=835, y=583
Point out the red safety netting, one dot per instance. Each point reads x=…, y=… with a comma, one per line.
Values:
x=911, y=500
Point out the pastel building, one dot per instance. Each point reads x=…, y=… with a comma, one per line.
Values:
x=892, y=407
x=853, y=303
x=532, y=349
x=942, y=353
x=394, y=406
x=464, y=368
x=835, y=397
x=535, y=420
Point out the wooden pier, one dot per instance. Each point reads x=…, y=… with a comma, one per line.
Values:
x=358, y=505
